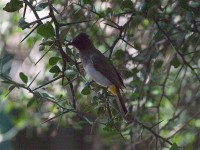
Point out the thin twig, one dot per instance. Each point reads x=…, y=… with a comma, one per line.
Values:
x=176, y=49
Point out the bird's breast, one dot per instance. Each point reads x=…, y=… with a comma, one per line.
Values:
x=96, y=75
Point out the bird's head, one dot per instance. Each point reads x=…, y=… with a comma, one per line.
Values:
x=82, y=41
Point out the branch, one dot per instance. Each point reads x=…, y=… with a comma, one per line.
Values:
x=177, y=50
x=65, y=57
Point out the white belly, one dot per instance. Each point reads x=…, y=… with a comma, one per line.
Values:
x=97, y=76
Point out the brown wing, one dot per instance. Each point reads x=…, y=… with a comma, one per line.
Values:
x=102, y=64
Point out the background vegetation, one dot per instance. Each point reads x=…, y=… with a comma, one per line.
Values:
x=47, y=101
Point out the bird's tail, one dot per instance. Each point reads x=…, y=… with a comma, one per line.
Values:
x=116, y=91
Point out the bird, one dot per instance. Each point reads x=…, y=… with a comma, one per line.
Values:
x=100, y=69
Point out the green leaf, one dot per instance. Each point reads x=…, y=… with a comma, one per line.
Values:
x=41, y=47
x=109, y=12
x=86, y=90
x=193, y=72
x=46, y=30
x=45, y=95
x=174, y=147
x=23, y=24
x=31, y=102
x=70, y=73
x=47, y=43
x=6, y=82
x=55, y=69
x=53, y=60
x=23, y=77
x=41, y=6
x=175, y=62
x=119, y=54
x=11, y=87
x=127, y=73
x=158, y=64
x=13, y=5
x=87, y=1
x=127, y=4
x=155, y=91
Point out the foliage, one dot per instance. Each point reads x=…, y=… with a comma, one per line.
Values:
x=153, y=43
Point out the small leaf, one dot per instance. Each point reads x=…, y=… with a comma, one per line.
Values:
x=86, y=90
x=87, y=1
x=53, y=60
x=11, y=87
x=95, y=99
x=193, y=72
x=109, y=11
x=55, y=69
x=119, y=54
x=127, y=4
x=45, y=95
x=155, y=91
x=47, y=43
x=41, y=6
x=23, y=77
x=41, y=47
x=31, y=102
x=127, y=73
x=175, y=62
x=13, y=5
x=158, y=64
x=46, y=30
x=174, y=147
x=23, y=24
x=70, y=73
x=6, y=82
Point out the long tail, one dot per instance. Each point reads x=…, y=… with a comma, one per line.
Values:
x=116, y=91
x=120, y=103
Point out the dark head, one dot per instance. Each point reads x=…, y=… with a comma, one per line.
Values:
x=82, y=41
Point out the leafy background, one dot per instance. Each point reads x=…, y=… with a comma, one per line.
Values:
x=47, y=101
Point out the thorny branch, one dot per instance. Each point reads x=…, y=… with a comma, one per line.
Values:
x=177, y=50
